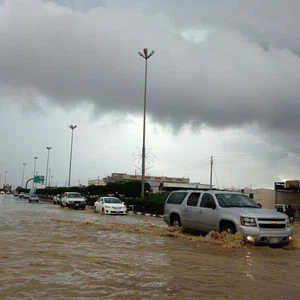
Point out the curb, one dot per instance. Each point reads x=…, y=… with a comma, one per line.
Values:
x=147, y=215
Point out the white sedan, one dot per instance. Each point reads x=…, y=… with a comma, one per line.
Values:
x=110, y=206
x=34, y=198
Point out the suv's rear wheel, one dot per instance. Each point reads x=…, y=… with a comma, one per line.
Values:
x=228, y=227
x=175, y=221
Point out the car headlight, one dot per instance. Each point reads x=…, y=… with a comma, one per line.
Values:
x=246, y=221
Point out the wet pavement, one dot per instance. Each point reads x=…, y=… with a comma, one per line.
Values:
x=49, y=252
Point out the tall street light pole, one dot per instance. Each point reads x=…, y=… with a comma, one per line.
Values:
x=23, y=174
x=72, y=127
x=5, y=178
x=48, y=148
x=35, y=158
x=146, y=56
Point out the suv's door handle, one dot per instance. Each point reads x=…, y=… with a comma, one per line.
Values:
x=200, y=211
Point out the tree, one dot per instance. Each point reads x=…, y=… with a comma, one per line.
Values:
x=133, y=188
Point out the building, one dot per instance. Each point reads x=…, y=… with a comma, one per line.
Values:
x=122, y=177
x=158, y=183
x=97, y=181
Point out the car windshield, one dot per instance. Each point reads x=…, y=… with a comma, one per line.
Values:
x=112, y=200
x=235, y=200
x=74, y=195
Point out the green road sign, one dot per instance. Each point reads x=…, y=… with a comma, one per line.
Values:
x=39, y=179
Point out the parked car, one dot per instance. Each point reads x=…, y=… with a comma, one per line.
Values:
x=110, y=205
x=217, y=210
x=16, y=194
x=73, y=199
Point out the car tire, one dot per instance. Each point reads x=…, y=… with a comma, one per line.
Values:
x=61, y=205
x=103, y=210
x=175, y=221
x=228, y=227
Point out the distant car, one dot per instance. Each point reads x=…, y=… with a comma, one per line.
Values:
x=26, y=196
x=110, y=205
x=21, y=195
x=16, y=194
x=73, y=199
x=33, y=198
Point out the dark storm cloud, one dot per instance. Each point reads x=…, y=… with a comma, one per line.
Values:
x=79, y=5
x=71, y=55
x=272, y=21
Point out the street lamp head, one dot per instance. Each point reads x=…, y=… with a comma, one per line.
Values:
x=73, y=126
x=146, y=55
x=49, y=148
x=35, y=157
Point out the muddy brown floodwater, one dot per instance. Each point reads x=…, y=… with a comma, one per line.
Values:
x=47, y=252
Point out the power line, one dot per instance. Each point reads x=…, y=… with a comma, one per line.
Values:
x=195, y=165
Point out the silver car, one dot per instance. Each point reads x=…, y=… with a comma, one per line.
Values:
x=217, y=210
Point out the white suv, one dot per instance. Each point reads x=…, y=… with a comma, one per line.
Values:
x=73, y=199
x=217, y=210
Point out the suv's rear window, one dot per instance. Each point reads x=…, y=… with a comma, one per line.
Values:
x=176, y=198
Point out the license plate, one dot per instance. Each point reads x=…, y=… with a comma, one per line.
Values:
x=76, y=204
x=274, y=240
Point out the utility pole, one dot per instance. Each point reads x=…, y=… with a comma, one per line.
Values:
x=211, y=166
x=146, y=56
x=72, y=128
x=49, y=177
x=48, y=148
x=24, y=164
x=35, y=158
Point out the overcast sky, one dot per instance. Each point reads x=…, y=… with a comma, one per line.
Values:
x=223, y=82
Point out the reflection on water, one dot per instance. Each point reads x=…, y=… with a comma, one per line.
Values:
x=249, y=264
x=47, y=252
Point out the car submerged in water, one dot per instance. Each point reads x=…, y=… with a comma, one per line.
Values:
x=110, y=206
x=73, y=199
x=216, y=210
x=32, y=196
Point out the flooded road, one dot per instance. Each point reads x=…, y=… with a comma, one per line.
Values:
x=47, y=252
